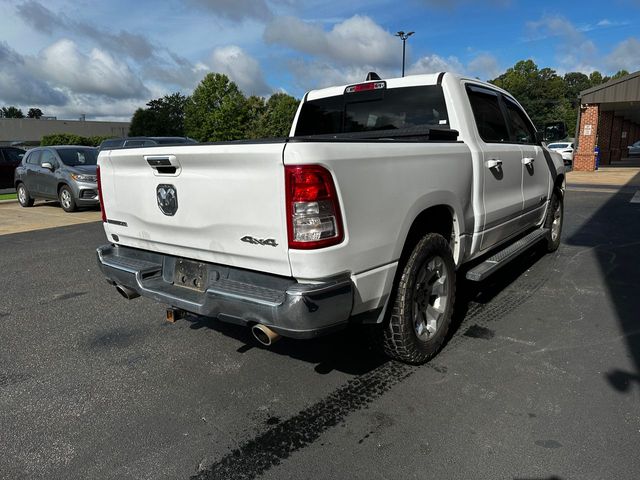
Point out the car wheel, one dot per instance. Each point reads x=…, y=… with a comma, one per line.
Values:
x=553, y=221
x=422, y=307
x=67, y=202
x=24, y=198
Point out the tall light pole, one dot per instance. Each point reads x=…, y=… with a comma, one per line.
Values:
x=403, y=36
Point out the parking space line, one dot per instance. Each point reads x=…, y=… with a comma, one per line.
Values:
x=636, y=197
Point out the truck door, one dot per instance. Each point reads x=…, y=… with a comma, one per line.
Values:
x=501, y=171
x=536, y=176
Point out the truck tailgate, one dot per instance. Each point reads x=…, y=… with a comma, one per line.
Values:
x=230, y=202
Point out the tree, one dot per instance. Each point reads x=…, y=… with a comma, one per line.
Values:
x=12, y=112
x=164, y=117
x=34, y=113
x=278, y=116
x=541, y=92
x=255, y=108
x=216, y=111
x=619, y=74
x=144, y=123
x=575, y=82
x=595, y=78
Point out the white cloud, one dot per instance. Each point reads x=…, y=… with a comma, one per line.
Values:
x=18, y=85
x=575, y=52
x=484, y=66
x=240, y=67
x=435, y=63
x=235, y=10
x=450, y=4
x=319, y=74
x=358, y=40
x=44, y=20
x=95, y=73
x=626, y=55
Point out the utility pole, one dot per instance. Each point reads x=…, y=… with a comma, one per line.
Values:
x=403, y=36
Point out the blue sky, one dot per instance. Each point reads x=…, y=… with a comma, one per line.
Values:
x=105, y=59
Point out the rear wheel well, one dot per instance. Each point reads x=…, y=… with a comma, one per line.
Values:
x=438, y=219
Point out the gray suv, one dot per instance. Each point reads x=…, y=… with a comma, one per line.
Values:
x=65, y=173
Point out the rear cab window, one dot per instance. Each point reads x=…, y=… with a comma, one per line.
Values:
x=372, y=110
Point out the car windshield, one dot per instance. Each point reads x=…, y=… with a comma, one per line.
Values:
x=559, y=145
x=75, y=157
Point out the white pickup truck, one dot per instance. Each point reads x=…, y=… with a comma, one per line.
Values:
x=365, y=213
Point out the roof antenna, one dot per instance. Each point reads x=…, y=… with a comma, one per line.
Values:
x=372, y=76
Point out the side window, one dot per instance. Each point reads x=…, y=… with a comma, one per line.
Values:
x=13, y=156
x=521, y=129
x=34, y=158
x=488, y=115
x=48, y=156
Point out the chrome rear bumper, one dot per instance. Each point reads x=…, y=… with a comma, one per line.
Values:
x=299, y=310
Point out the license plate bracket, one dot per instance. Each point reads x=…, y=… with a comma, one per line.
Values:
x=191, y=274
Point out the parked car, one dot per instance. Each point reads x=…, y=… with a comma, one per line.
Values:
x=565, y=149
x=10, y=158
x=128, y=142
x=64, y=173
x=634, y=149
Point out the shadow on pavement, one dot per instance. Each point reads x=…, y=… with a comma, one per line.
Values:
x=348, y=350
x=613, y=233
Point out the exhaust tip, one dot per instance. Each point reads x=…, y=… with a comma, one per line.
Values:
x=264, y=335
x=127, y=292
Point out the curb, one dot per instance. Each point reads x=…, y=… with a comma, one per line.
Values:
x=15, y=200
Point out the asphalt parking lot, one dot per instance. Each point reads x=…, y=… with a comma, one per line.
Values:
x=540, y=381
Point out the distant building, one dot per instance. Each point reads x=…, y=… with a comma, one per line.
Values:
x=29, y=131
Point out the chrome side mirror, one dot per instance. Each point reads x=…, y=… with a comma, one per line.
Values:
x=47, y=165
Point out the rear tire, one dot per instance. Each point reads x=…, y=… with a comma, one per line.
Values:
x=554, y=220
x=67, y=201
x=422, y=307
x=24, y=198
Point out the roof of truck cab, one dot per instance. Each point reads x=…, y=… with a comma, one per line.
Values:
x=408, y=81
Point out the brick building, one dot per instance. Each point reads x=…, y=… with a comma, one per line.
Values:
x=610, y=118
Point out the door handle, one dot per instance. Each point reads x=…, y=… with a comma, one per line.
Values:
x=527, y=160
x=494, y=163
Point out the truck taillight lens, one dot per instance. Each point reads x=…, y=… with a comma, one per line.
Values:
x=102, y=211
x=313, y=211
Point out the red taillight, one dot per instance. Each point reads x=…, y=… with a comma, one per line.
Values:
x=313, y=210
x=102, y=211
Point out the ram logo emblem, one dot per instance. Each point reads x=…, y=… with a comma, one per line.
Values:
x=167, y=197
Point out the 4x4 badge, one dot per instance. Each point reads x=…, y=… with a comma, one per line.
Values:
x=259, y=241
x=167, y=197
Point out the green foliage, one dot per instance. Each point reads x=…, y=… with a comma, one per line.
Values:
x=164, y=117
x=216, y=111
x=540, y=92
x=71, y=139
x=278, y=116
x=12, y=112
x=546, y=96
x=34, y=113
